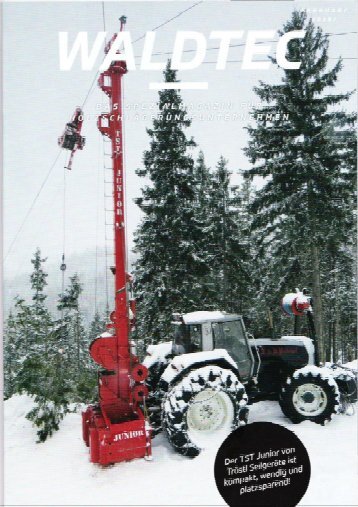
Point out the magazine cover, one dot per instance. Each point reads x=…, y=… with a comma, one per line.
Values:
x=179, y=253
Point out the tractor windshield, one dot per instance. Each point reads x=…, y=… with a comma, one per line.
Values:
x=181, y=338
x=187, y=338
x=231, y=337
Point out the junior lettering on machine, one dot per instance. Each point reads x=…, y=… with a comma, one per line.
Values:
x=125, y=435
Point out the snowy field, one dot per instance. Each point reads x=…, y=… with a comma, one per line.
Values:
x=58, y=472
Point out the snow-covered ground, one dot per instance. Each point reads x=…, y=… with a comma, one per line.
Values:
x=352, y=364
x=58, y=472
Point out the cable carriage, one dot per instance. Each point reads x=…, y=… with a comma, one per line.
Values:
x=71, y=139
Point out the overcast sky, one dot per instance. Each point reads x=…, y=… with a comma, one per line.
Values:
x=39, y=99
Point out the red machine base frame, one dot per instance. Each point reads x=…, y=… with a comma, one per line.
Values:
x=115, y=442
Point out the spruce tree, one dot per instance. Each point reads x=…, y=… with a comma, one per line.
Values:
x=23, y=329
x=245, y=289
x=34, y=324
x=42, y=320
x=75, y=344
x=87, y=387
x=170, y=262
x=339, y=296
x=97, y=326
x=73, y=333
x=40, y=369
x=204, y=182
x=305, y=159
x=204, y=187
x=11, y=356
x=227, y=242
x=53, y=395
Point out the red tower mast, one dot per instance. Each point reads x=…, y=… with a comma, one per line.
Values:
x=115, y=429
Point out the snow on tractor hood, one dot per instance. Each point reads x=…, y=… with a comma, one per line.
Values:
x=184, y=361
x=157, y=353
x=203, y=316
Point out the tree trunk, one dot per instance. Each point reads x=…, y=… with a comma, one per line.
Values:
x=337, y=311
x=334, y=343
x=297, y=325
x=317, y=302
x=329, y=342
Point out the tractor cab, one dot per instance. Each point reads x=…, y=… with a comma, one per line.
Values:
x=205, y=331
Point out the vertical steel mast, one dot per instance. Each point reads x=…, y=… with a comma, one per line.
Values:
x=111, y=125
x=115, y=429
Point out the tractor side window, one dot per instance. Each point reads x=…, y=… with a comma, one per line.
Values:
x=181, y=339
x=232, y=338
x=195, y=338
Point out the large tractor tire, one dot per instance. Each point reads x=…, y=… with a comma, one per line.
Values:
x=157, y=359
x=310, y=394
x=203, y=408
x=347, y=382
x=153, y=402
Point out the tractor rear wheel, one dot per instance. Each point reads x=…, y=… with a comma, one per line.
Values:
x=309, y=396
x=203, y=408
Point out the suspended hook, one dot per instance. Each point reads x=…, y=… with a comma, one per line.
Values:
x=63, y=265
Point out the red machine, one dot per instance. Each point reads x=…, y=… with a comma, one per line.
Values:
x=115, y=429
x=71, y=139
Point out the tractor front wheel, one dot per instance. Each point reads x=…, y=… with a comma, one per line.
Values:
x=309, y=396
x=203, y=408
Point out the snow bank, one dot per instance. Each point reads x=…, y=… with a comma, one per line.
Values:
x=59, y=471
x=17, y=407
x=352, y=364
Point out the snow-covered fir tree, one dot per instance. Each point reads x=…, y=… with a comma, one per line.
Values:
x=34, y=325
x=73, y=333
x=87, y=388
x=38, y=371
x=226, y=242
x=339, y=297
x=170, y=262
x=48, y=358
x=249, y=274
x=75, y=343
x=97, y=326
x=207, y=292
x=11, y=355
x=302, y=146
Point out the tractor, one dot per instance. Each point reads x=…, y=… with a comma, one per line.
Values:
x=201, y=383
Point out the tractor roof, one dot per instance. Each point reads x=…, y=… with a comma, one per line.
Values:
x=215, y=316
